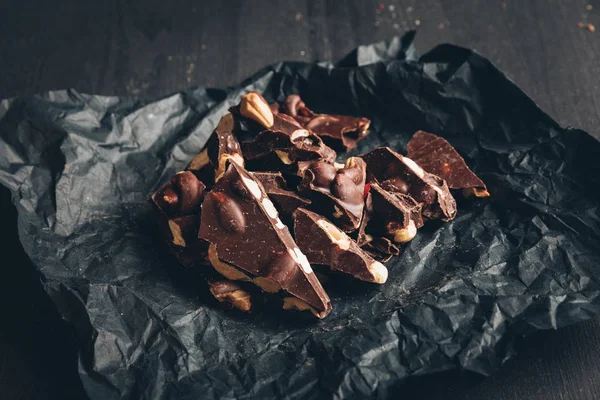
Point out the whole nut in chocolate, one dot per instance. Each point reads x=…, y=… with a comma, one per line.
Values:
x=268, y=170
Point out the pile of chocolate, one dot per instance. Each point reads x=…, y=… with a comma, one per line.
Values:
x=265, y=202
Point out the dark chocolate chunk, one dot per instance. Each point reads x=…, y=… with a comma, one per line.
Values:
x=435, y=155
x=266, y=253
x=339, y=196
x=223, y=146
x=278, y=150
x=396, y=216
x=324, y=243
x=428, y=189
x=340, y=132
x=231, y=293
x=182, y=195
x=181, y=236
x=285, y=200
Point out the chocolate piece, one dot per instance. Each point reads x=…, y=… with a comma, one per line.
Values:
x=231, y=293
x=396, y=216
x=181, y=236
x=265, y=250
x=182, y=195
x=253, y=107
x=324, y=243
x=338, y=196
x=341, y=132
x=435, y=155
x=429, y=190
x=223, y=146
x=285, y=200
x=380, y=248
x=278, y=150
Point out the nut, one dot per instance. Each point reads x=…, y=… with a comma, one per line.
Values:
x=402, y=235
x=255, y=107
x=323, y=173
x=336, y=235
x=379, y=271
x=228, y=212
x=199, y=161
x=225, y=269
x=190, y=191
x=284, y=156
x=346, y=190
x=167, y=200
x=355, y=168
x=293, y=303
x=337, y=212
x=267, y=284
x=231, y=293
x=299, y=133
x=178, y=239
x=477, y=192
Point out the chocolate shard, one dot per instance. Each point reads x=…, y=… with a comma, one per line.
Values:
x=182, y=195
x=231, y=293
x=222, y=146
x=396, y=216
x=245, y=233
x=391, y=170
x=377, y=247
x=285, y=201
x=435, y=155
x=324, y=243
x=337, y=193
x=259, y=115
x=341, y=132
x=273, y=149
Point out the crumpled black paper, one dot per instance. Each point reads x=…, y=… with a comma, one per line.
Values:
x=81, y=167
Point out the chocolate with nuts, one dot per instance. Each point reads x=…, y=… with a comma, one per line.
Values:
x=246, y=233
x=391, y=169
x=396, y=216
x=377, y=247
x=231, y=293
x=182, y=195
x=337, y=193
x=324, y=243
x=435, y=155
x=255, y=108
x=341, y=132
x=285, y=200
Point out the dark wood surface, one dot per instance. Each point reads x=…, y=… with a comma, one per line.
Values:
x=153, y=48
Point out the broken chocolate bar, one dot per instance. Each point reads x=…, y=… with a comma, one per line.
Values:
x=340, y=132
x=253, y=107
x=396, y=216
x=285, y=200
x=222, y=146
x=300, y=145
x=246, y=234
x=324, y=243
x=395, y=172
x=231, y=293
x=182, y=195
x=435, y=155
x=377, y=247
x=337, y=193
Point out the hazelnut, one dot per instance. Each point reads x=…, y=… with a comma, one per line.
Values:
x=402, y=235
x=231, y=293
x=199, y=161
x=228, y=212
x=294, y=303
x=335, y=234
x=255, y=107
x=190, y=191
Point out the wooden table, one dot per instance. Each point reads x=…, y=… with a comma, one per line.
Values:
x=153, y=48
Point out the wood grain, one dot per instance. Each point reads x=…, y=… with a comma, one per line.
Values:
x=151, y=48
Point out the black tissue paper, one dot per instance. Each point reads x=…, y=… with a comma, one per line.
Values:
x=81, y=168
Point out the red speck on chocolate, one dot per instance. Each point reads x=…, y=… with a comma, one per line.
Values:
x=366, y=190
